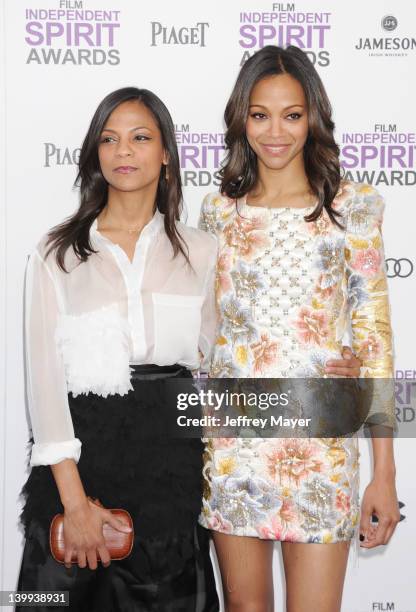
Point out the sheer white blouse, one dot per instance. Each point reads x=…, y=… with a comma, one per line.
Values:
x=83, y=329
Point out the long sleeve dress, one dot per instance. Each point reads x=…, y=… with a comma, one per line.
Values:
x=287, y=290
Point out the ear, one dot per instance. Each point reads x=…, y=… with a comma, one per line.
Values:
x=165, y=158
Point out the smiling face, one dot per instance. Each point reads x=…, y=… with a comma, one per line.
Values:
x=277, y=123
x=130, y=149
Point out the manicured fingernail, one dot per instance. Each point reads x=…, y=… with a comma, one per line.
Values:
x=361, y=537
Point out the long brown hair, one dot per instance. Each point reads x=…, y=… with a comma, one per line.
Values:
x=75, y=231
x=321, y=153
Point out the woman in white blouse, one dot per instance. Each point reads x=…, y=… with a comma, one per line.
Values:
x=118, y=295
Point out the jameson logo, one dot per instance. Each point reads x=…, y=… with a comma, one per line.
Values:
x=388, y=46
x=185, y=35
x=389, y=23
x=283, y=25
x=71, y=34
x=381, y=156
x=200, y=155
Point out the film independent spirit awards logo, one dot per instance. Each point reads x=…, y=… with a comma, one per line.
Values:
x=284, y=24
x=72, y=33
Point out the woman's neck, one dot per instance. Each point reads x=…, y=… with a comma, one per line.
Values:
x=125, y=210
x=282, y=187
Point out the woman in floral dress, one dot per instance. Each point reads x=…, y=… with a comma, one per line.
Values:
x=300, y=261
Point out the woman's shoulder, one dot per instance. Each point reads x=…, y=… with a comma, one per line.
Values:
x=197, y=238
x=361, y=205
x=216, y=208
x=45, y=252
x=351, y=194
x=201, y=248
x=41, y=251
x=41, y=247
x=216, y=199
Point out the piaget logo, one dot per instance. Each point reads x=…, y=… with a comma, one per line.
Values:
x=388, y=46
x=58, y=155
x=286, y=24
x=70, y=33
x=195, y=35
x=384, y=155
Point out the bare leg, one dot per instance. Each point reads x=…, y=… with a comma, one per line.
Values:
x=314, y=575
x=246, y=572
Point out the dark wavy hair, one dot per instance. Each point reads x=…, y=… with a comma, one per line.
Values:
x=75, y=230
x=321, y=153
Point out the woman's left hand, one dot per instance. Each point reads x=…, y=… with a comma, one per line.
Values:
x=349, y=365
x=380, y=498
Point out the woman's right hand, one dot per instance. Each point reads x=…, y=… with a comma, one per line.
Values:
x=83, y=533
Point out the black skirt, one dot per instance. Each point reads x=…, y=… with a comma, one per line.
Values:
x=131, y=460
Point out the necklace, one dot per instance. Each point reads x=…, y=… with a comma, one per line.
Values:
x=129, y=230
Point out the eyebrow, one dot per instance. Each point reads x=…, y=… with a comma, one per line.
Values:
x=140, y=127
x=285, y=109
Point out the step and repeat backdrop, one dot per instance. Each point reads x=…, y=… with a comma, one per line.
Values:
x=61, y=57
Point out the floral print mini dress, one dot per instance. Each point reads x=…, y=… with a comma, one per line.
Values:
x=287, y=291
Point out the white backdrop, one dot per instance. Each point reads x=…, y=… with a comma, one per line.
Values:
x=56, y=68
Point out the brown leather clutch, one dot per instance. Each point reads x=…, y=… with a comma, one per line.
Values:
x=118, y=543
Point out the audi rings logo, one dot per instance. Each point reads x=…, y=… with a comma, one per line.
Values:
x=399, y=268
